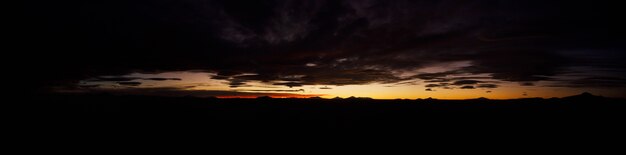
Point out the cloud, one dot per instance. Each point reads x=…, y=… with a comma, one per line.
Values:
x=324, y=76
x=274, y=90
x=115, y=79
x=406, y=83
x=513, y=41
x=433, y=85
x=163, y=79
x=89, y=86
x=487, y=86
x=438, y=80
x=290, y=84
x=120, y=79
x=466, y=82
x=325, y=87
x=236, y=83
x=220, y=77
x=519, y=65
x=468, y=87
x=593, y=82
x=435, y=76
x=176, y=92
x=125, y=83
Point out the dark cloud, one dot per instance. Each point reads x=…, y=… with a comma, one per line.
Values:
x=466, y=82
x=176, y=92
x=325, y=87
x=438, y=80
x=433, y=85
x=522, y=65
x=126, y=83
x=119, y=79
x=115, y=79
x=412, y=82
x=447, y=77
x=276, y=90
x=468, y=87
x=220, y=77
x=487, y=86
x=527, y=84
x=429, y=89
x=236, y=83
x=594, y=82
x=89, y=86
x=435, y=76
x=290, y=84
x=163, y=79
x=349, y=41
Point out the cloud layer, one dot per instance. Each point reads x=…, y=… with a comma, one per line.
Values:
x=328, y=42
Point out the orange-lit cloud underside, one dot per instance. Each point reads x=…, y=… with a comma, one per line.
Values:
x=202, y=85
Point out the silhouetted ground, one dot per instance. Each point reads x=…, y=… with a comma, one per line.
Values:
x=267, y=112
x=96, y=117
x=102, y=122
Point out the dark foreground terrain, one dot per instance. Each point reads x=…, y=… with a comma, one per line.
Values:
x=580, y=120
x=583, y=110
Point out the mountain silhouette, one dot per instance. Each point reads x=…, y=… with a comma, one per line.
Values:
x=584, y=96
x=326, y=113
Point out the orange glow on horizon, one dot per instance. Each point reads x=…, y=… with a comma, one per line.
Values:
x=272, y=96
x=199, y=82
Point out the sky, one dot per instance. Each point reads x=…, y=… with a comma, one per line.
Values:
x=382, y=49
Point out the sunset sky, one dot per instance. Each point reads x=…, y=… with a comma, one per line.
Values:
x=382, y=49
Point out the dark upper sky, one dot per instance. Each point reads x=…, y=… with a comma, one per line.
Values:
x=328, y=42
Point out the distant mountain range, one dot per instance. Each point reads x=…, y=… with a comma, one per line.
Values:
x=584, y=96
